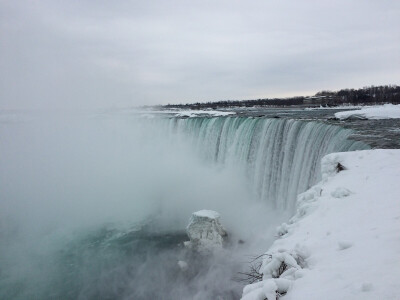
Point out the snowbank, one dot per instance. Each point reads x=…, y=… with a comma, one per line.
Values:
x=343, y=242
x=150, y=113
x=333, y=107
x=195, y=113
x=387, y=111
x=186, y=113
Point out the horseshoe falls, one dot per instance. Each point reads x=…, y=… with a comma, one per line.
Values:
x=97, y=207
x=281, y=157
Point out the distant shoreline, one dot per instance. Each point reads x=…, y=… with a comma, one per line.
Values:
x=371, y=95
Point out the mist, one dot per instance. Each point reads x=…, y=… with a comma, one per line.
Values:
x=66, y=179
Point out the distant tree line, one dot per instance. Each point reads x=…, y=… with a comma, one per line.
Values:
x=365, y=95
x=240, y=103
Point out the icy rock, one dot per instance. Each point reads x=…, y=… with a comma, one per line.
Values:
x=205, y=231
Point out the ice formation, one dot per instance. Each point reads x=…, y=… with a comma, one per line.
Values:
x=205, y=231
x=387, y=111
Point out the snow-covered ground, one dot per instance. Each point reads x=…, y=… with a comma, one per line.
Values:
x=195, y=113
x=149, y=113
x=387, y=111
x=343, y=242
x=334, y=107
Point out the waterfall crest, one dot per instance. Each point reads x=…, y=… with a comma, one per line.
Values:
x=281, y=157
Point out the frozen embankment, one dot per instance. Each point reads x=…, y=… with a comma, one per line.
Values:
x=387, y=111
x=343, y=242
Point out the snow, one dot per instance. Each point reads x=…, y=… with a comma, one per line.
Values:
x=340, y=192
x=207, y=214
x=387, y=111
x=195, y=113
x=343, y=241
x=186, y=113
x=333, y=107
x=150, y=113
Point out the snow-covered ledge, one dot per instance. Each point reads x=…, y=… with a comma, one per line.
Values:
x=387, y=111
x=343, y=242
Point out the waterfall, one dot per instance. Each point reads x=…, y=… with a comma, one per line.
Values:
x=281, y=157
x=94, y=208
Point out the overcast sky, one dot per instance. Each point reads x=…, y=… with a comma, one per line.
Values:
x=98, y=54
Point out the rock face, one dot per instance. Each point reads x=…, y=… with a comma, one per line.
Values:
x=205, y=231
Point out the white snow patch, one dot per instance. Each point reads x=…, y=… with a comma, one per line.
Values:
x=335, y=247
x=195, y=113
x=149, y=113
x=387, y=111
x=334, y=107
x=210, y=214
x=340, y=192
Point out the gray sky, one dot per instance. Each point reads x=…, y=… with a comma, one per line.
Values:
x=98, y=54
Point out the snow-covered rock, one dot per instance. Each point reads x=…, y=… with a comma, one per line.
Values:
x=205, y=231
x=343, y=241
x=387, y=111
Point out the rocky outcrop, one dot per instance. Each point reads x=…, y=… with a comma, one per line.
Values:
x=205, y=231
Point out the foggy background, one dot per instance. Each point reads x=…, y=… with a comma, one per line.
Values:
x=72, y=187
x=100, y=54
x=69, y=171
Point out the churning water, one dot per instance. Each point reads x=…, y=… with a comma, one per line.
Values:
x=96, y=207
